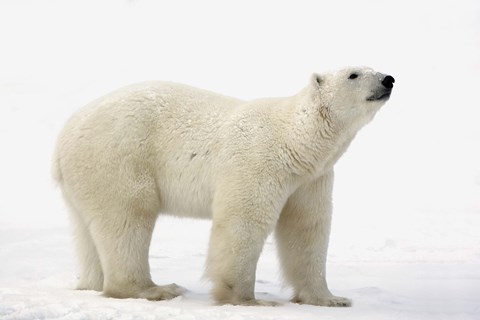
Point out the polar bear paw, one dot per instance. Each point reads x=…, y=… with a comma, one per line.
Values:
x=166, y=292
x=250, y=303
x=339, y=302
x=330, y=301
x=256, y=302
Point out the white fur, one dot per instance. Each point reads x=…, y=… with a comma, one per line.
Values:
x=252, y=166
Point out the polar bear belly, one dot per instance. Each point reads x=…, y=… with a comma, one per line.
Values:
x=186, y=191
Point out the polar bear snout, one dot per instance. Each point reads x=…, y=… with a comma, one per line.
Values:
x=382, y=92
x=388, y=82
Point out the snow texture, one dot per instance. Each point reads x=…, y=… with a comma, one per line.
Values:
x=405, y=239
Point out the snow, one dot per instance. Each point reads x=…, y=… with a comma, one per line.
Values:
x=405, y=240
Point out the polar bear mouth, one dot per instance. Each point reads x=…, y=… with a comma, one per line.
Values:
x=384, y=95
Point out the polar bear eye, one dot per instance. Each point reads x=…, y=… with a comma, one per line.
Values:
x=353, y=76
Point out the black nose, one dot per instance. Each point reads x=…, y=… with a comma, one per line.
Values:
x=388, y=82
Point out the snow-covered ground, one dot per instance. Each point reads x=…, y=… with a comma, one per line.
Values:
x=406, y=234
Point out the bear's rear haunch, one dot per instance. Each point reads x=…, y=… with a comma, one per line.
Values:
x=254, y=167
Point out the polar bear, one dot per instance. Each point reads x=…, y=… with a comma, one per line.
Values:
x=254, y=167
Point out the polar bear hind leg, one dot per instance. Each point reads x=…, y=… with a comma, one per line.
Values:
x=123, y=244
x=91, y=274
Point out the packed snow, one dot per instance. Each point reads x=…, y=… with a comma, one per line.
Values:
x=405, y=239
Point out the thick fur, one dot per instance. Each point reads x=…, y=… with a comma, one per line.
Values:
x=252, y=166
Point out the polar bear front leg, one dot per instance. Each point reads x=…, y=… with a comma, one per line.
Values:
x=238, y=234
x=302, y=235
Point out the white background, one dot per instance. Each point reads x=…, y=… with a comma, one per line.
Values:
x=406, y=233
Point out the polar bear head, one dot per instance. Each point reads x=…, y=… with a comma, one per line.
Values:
x=351, y=96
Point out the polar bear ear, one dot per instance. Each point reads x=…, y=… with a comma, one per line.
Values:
x=317, y=80
x=315, y=86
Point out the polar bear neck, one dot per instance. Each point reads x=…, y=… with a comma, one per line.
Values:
x=320, y=138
